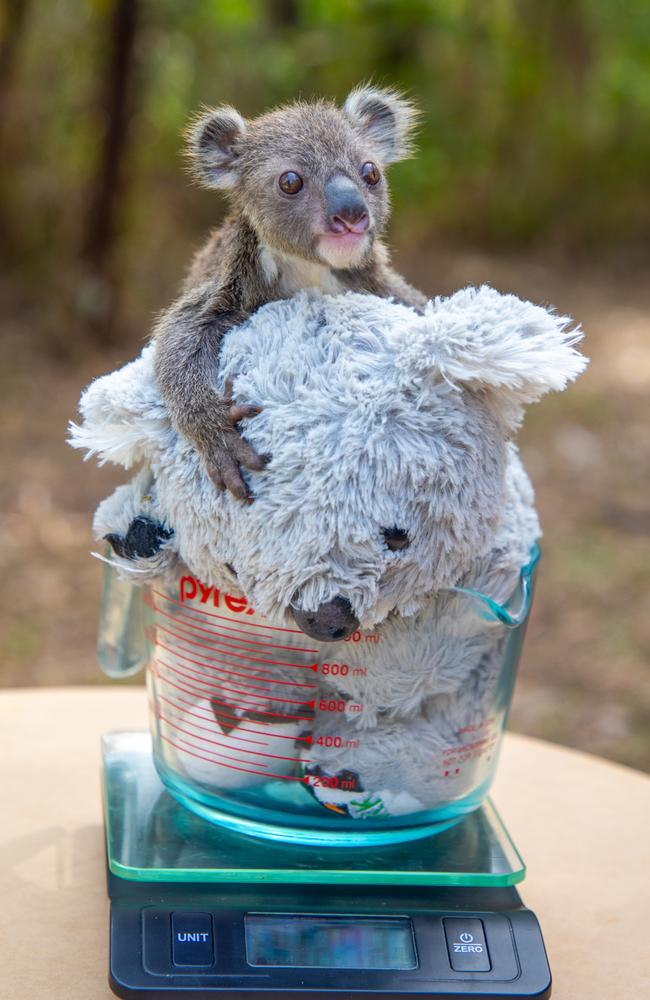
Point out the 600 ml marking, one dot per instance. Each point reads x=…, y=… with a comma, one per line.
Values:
x=339, y=705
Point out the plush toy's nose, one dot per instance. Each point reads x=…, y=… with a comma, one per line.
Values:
x=332, y=621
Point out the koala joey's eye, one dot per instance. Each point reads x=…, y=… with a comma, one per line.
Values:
x=230, y=567
x=290, y=182
x=370, y=173
x=396, y=538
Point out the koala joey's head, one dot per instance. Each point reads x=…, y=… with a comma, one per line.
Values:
x=309, y=176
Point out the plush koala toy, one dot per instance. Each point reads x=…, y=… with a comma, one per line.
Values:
x=394, y=493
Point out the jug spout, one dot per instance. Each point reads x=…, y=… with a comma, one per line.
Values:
x=514, y=611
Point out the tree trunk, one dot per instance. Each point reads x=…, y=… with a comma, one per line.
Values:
x=97, y=298
x=12, y=27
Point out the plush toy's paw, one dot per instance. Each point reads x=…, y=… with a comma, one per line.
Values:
x=228, y=450
x=143, y=539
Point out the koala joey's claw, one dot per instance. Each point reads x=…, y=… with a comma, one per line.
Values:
x=233, y=480
x=241, y=411
x=224, y=472
x=232, y=450
x=238, y=411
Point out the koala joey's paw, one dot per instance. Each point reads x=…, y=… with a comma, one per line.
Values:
x=143, y=539
x=230, y=451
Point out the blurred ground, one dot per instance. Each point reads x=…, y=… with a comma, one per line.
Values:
x=583, y=679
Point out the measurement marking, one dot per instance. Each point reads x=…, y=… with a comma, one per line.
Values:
x=231, y=650
x=252, y=642
x=233, y=767
x=236, y=690
x=203, y=718
x=226, y=715
x=213, y=614
x=179, y=653
x=216, y=670
x=253, y=659
x=260, y=711
x=244, y=708
x=216, y=743
x=275, y=680
x=198, y=679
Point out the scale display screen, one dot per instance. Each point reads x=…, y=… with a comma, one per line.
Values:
x=329, y=942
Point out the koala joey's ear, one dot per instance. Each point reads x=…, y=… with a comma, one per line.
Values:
x=481, y=338
x=384, y=117
x=213, y=139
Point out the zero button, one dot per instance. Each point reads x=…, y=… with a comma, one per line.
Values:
x=466, y=944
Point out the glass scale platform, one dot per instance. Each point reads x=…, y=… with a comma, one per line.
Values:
x=200, y=910
x=150, y=837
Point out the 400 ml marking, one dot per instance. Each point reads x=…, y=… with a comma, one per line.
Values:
x=337, y=741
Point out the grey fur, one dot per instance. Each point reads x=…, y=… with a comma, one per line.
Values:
x=387, y=418
x=272, y=246
x=386, y=117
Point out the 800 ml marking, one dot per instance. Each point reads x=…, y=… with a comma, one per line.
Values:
x=342, y=670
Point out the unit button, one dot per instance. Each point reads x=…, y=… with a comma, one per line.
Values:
x=466, y=944
x=192, y=939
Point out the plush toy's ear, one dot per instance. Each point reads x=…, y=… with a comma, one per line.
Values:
x=213, y=141
x=481, y=338
x=384, y=117
x=123, y=418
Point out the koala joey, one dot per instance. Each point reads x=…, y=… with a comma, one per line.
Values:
x=309, y=201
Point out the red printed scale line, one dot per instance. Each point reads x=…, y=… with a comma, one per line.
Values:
x=202, y=718
x=255, y=677
x=203, y=694
x=233, y=767
x=215, y=673
x=178, y=654
x=226, y=715
x=217, y=743
x=223, y=635
x=240, y=656
x=197, y=678
x=213, y=614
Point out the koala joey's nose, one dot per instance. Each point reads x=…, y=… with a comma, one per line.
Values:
x=331, y=622
x=345, y=207
x=351, y=223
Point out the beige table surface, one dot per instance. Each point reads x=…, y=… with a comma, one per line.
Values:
x=583, y=826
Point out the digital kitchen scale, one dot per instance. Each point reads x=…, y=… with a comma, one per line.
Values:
x=197, y=910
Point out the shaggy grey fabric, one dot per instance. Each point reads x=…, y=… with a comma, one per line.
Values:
x=376, y=417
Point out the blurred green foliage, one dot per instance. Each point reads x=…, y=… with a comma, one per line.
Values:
x=535, y=129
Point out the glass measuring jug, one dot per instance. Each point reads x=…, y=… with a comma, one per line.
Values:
x=262, y=729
